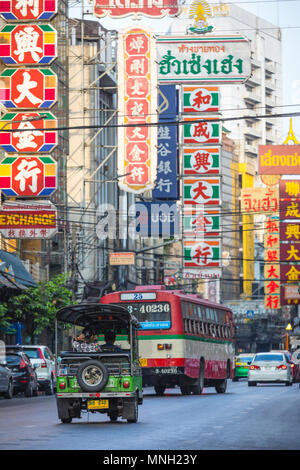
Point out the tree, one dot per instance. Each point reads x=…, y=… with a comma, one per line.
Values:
x=37, y=305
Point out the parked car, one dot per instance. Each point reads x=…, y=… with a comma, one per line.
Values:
x=42, y=358
x=6, y=380
x=24, y=376
x=242, y=362
x=270, y=368
x=294, y=364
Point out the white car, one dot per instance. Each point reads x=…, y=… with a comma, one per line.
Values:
x=43, y=357
x=270, y=368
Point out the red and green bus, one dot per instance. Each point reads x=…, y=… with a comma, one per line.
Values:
x=184, y=340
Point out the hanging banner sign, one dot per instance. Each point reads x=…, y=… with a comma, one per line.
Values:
x=137, y=107
x=28, y=44
x=203, y=59
x=37, y=219
x=199, y=223
x=279, y=159
x=33, y=132
x=205, y=191
x=28, y=10
x=200, y=99
x=201, y=161
x=28, y=88
x=28, y=176
x=167, y=186
x=206, y=131
x=150, y=8
x=198, y=253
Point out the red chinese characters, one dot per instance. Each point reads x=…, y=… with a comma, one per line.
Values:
x=137, y=96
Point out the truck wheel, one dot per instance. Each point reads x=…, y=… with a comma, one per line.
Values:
x=92, y=376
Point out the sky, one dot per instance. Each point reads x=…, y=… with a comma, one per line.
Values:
x=282, y=13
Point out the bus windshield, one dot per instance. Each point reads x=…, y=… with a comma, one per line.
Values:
x=151, y=315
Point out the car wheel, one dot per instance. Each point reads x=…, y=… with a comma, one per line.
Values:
x=251, y=384
x=50, y=389
x=92, y=376
x=10, y=391
x=66, y=420
x=29, y=391
x=134, y=417
x=113, y=415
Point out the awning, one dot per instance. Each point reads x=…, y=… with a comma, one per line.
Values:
x=13, y=273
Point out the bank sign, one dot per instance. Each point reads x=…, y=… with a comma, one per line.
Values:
x=204, y=59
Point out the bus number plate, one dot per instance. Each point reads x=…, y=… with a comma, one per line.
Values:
x=169, y=370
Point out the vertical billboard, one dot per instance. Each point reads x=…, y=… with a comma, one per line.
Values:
x=137, y=110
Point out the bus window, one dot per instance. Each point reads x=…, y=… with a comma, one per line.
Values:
x=199, y=315
x=203, y=311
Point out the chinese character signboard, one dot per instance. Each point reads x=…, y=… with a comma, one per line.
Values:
x=203, y=59
x=204, y=254
x=200, y=223
x=34, y=132
x=28, y=176
x=272, y=263
x=28, y=88
x=150, y=8
x=201, y=160
x=289, y=188
x=279, y=160
x=137, y=106
x=36, y=219
x=167, y=162
x=201, y=130
x=200, y=99
x=28, y=10
x=28, y=44
x=202, y=191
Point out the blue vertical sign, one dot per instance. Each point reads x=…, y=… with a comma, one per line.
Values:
x=167, y=185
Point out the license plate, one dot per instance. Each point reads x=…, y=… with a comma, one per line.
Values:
x=143, y=362
x=97, y=404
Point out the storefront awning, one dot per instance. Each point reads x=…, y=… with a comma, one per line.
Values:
x=13, y=273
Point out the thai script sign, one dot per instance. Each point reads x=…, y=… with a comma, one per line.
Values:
x=33, y=132
x=204, y=59
x=36, y=219
x=28, y=176
x=201, y=160
x=121, y=258
x=28, y=88
x=137, y=106
x=259, y=200
x=28, y=10
x=207, y=273
x=201, y=130
x=198, y=253
x=204, y=191
x=150, y=8
x=200, y=99
x=167, y=186
x=279, y=159
x=201, y=224
x=28, y=44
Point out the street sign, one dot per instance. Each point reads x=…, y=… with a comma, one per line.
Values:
x=28, y=176
x=205, y=59
x=34, y=132
x=34, y=220
x=28, y=44
x=150, y=8
x=28, y=10
x=28, y=88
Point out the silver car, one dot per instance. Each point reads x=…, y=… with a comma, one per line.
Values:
x=270, y=368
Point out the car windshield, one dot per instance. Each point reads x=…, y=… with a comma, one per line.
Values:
x=269, y=357
x=13, y=359
x=32, y=353
x=244, y=359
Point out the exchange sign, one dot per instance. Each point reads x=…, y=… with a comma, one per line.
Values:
x=37, y=219
x=28, y=10
x=28, y=88
x=28, y=44
x=33, y=132
x=203, y=59
x=150, y=8
x=28, y=176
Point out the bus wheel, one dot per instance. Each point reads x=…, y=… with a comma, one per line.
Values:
x=221, y=386
x=159, y=389
x=185, y=390
x=198, y=388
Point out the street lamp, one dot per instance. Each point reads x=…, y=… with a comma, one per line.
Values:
x=288, y=328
